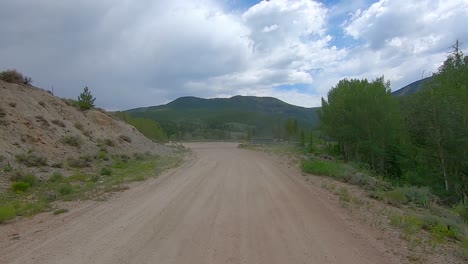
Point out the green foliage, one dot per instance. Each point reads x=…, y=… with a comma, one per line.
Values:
x=65, y=189
x=416, y=140
x=327, y=168
x=7, y=212
x=31, y=160
x=420, y=196
x=73, y=141
x=7, y=167
x=394, y=197
x=30, y=179
x=462, y=211
x=86, y=99
x=364, y=118
x=437, y=126
x=105, y=171
x=239, y=117
x=20, y=186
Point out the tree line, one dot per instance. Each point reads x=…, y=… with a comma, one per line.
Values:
x=421, y=139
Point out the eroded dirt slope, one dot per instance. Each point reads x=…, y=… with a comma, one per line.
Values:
x=35, y=121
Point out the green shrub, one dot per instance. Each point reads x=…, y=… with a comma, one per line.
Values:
x=105, y=171
x=442, y=227
x=393, y=197
x=344, y=195
x=20, y=186
x=420, y=196
x=102, y=155
x=7, y=167
x=7, y=212
x=65, y=189
x=462, y=210
x=31, y=179
x=73, y=141
x=411, y=224
x=465, y=248
x=56, y=177
x=359, y=179
x=31, y=160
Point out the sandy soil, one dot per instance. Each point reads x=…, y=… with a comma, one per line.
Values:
x=225, y=205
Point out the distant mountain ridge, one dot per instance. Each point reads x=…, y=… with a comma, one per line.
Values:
x=412, y=88
x=238, y=116
x=264, y=116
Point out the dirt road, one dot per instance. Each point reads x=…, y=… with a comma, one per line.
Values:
x=226, y=205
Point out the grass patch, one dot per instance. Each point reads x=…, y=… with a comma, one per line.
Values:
x=327, y=168
x=344, y=195
x=105, y=171
x=65, y=189
x=7, y=212
x=81, y=186
x=394, y=197
x=20, y=187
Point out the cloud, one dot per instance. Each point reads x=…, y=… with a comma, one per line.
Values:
x=404, y=40
x=148, y=52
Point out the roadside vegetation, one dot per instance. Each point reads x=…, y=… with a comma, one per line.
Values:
x=407, y=156
x=93, y=177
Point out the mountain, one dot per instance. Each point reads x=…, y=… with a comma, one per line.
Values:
x=235, y=117
x=412, y=88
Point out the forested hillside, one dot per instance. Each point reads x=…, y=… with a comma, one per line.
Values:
x=421, y=139
x=238, y=117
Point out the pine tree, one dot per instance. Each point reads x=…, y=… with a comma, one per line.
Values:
x=86, y=99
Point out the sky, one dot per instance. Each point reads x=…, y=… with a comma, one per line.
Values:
x=135, y=53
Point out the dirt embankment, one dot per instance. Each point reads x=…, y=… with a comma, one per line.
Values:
x=226, y=205
x=35, y=122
